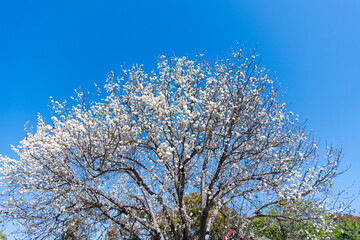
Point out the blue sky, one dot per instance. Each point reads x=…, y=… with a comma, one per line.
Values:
x=49, y=48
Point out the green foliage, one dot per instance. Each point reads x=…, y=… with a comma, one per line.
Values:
x=277, y=223
x=2, y=236
x=266, y=228
x=347, y=229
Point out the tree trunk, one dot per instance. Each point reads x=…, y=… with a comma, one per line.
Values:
x=203, y=233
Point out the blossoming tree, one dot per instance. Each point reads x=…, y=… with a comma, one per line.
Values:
x=129, y=156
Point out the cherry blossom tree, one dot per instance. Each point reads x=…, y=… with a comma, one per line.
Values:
x=128, y=156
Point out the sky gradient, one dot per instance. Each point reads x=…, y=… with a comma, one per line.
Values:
x=49, y=48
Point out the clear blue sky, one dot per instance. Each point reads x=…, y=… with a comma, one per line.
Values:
x=49, y=48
